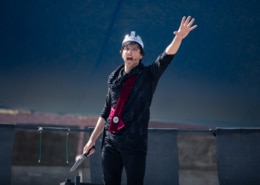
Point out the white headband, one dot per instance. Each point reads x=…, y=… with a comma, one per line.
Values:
x=133, y=37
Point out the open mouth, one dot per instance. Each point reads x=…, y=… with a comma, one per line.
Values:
x=129, y=58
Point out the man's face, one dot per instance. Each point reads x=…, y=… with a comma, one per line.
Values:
x=131, y=55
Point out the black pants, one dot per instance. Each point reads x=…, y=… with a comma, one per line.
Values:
x=115, y=158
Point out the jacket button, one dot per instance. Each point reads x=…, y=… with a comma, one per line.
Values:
x=115, y=119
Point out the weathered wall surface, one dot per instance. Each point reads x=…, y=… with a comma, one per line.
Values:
x=196, y=153
x=197, y=159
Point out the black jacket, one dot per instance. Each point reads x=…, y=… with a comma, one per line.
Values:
x=136, y=112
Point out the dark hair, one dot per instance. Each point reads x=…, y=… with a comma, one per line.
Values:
x=132, y=43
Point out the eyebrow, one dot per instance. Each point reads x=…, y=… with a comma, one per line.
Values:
x=132, y=45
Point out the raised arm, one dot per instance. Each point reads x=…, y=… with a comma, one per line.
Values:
x=185, y=27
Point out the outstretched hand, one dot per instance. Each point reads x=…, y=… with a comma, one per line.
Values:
x=185, y=27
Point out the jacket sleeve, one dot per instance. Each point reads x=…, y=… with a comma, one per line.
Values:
x=106, y=108
x=160, y=64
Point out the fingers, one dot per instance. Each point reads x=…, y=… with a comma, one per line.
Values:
x=188, y=22
x=193, y=27
x=185, y=27
x=92, y=151
x=86, y=149
x=191, y=22
x=183, y=20
x=89, y=150
x=88, y=146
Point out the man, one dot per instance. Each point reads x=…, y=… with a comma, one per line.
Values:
x=125, y=116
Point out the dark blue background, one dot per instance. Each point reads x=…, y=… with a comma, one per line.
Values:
x=56, y=56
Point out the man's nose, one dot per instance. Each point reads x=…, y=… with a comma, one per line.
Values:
x=129, y=51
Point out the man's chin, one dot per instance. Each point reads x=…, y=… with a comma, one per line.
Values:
x=129, y=61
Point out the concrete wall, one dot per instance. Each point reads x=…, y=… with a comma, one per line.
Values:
x=197, y=159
